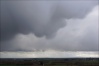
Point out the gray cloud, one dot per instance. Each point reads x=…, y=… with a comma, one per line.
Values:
x=42, y=18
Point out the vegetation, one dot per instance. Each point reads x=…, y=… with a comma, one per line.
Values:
x=50, y=62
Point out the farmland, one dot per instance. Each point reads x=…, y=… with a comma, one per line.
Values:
x=49, y=62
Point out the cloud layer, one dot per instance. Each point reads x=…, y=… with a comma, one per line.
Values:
x=29, y=22
x=40, y=17
x=49, y=54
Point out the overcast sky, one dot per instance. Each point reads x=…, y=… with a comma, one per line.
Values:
x=49, y=25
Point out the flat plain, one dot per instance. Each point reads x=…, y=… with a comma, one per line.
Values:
x=49, y=62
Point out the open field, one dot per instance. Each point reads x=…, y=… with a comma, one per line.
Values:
x=50, y=62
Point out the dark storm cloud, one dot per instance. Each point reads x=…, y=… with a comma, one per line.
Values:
x=39, y=17
x=42, y=18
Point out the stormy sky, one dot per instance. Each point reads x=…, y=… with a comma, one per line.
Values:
x=34, y=25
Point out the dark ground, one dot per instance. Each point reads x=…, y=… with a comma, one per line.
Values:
x=49, y=62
